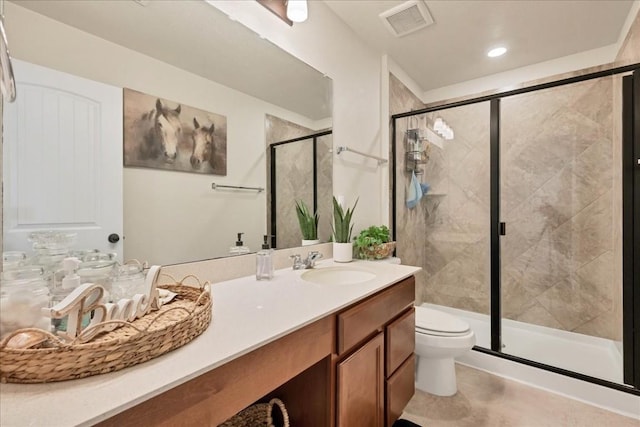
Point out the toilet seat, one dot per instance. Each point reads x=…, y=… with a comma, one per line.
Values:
x=438, y=323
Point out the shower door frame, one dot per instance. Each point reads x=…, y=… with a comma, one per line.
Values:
x=631, y=222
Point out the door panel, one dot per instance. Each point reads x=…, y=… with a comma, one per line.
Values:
x=560, y=199
x=62, y=159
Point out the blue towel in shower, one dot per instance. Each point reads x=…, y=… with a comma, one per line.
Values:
x=414, y=192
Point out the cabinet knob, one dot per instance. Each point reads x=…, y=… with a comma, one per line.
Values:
x=113, y=238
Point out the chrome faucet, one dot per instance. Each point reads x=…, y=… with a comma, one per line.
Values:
x=309, y=262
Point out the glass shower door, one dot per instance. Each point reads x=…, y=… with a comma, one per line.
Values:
x=561, y=252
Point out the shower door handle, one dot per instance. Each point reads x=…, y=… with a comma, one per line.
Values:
x=503, y=228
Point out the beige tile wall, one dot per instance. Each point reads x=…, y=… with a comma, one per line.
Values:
x=411, y=225
x=556, y=198
x=559, y=263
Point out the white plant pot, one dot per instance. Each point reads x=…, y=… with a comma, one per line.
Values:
x=310, y=242
x=342, y=252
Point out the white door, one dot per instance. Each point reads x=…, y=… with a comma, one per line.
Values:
x=62, y=166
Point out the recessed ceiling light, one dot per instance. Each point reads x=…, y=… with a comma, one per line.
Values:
x=498, y=51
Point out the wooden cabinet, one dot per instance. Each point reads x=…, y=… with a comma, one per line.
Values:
x=375, y=363
x=351, y=368
x=365, y=318
x=360, y=386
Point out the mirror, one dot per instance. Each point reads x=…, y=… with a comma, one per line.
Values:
x=194, y=55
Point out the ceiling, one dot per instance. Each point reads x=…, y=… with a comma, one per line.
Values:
x=197, y=37
x=453, y=49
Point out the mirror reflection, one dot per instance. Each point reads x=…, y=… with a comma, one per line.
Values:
x=301, y=184
x=187, y=52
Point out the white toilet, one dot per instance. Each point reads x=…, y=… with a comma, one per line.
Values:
x=440, y=337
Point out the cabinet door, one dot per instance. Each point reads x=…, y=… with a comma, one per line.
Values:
x=400, y=389
x=360, y=391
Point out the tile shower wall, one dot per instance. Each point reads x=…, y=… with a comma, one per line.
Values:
x=294, y=180
x=558, y=256
x=447, y=233
x=410, y=224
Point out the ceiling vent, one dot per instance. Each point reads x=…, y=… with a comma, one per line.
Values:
x=407, y=18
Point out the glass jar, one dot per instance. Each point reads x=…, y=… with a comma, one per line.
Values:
x=98, y=272
x=128, y=281
x=21, y=304
x=13, y=259
x=50, y=248
x=51, y=240
x=98, y=256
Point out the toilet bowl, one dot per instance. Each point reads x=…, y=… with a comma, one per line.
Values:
x=440, y=337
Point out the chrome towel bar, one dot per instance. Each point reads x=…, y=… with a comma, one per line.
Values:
x=379, y=159
x=215, y=186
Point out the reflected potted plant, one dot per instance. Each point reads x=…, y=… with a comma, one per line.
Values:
x=342, y=228
x=374, y=243
x=308, y=224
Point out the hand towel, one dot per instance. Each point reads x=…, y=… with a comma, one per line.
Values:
x=425, y=188
x=414, y=192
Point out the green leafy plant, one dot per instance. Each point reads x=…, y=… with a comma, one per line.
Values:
x=308, y=222
x=368, y=240
x=342, y=226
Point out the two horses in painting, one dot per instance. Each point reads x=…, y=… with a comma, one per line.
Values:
x=163, y=132
x=166, y=137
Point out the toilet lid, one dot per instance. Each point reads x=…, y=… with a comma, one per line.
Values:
x=437, y=322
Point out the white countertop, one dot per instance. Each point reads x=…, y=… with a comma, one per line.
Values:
x=247, y=314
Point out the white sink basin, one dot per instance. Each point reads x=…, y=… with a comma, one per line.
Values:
x=337, y=275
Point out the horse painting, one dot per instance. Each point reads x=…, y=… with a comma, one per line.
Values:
x=162, y=131
x=163, y=134
x=202, y=138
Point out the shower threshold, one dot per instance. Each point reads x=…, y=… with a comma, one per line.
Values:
x=584, y=354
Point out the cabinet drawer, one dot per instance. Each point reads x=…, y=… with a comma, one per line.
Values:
x=357, y=323
x=400, y=389
x=400, y=341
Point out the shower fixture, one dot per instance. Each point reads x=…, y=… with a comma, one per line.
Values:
x=442, y=129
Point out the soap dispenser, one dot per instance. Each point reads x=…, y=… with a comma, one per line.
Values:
x=239, y=248
x=71, y=279
x=264, y=261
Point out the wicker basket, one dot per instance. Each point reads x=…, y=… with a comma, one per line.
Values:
x=380, y=251
x=272, y=414
x=152, y=335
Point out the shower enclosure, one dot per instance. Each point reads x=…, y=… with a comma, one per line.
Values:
x=528, y=228
x=300, y=170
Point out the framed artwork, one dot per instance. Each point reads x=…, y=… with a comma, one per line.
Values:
x=163, y=134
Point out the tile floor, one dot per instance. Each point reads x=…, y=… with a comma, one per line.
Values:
x=488, y=400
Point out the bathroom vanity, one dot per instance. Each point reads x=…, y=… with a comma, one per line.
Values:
x=336, y=354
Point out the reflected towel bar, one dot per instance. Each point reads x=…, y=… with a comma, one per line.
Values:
x=236, y=187
x=379, y=159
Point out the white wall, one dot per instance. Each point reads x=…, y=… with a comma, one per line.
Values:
x=169, y=216
x=327, y=44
